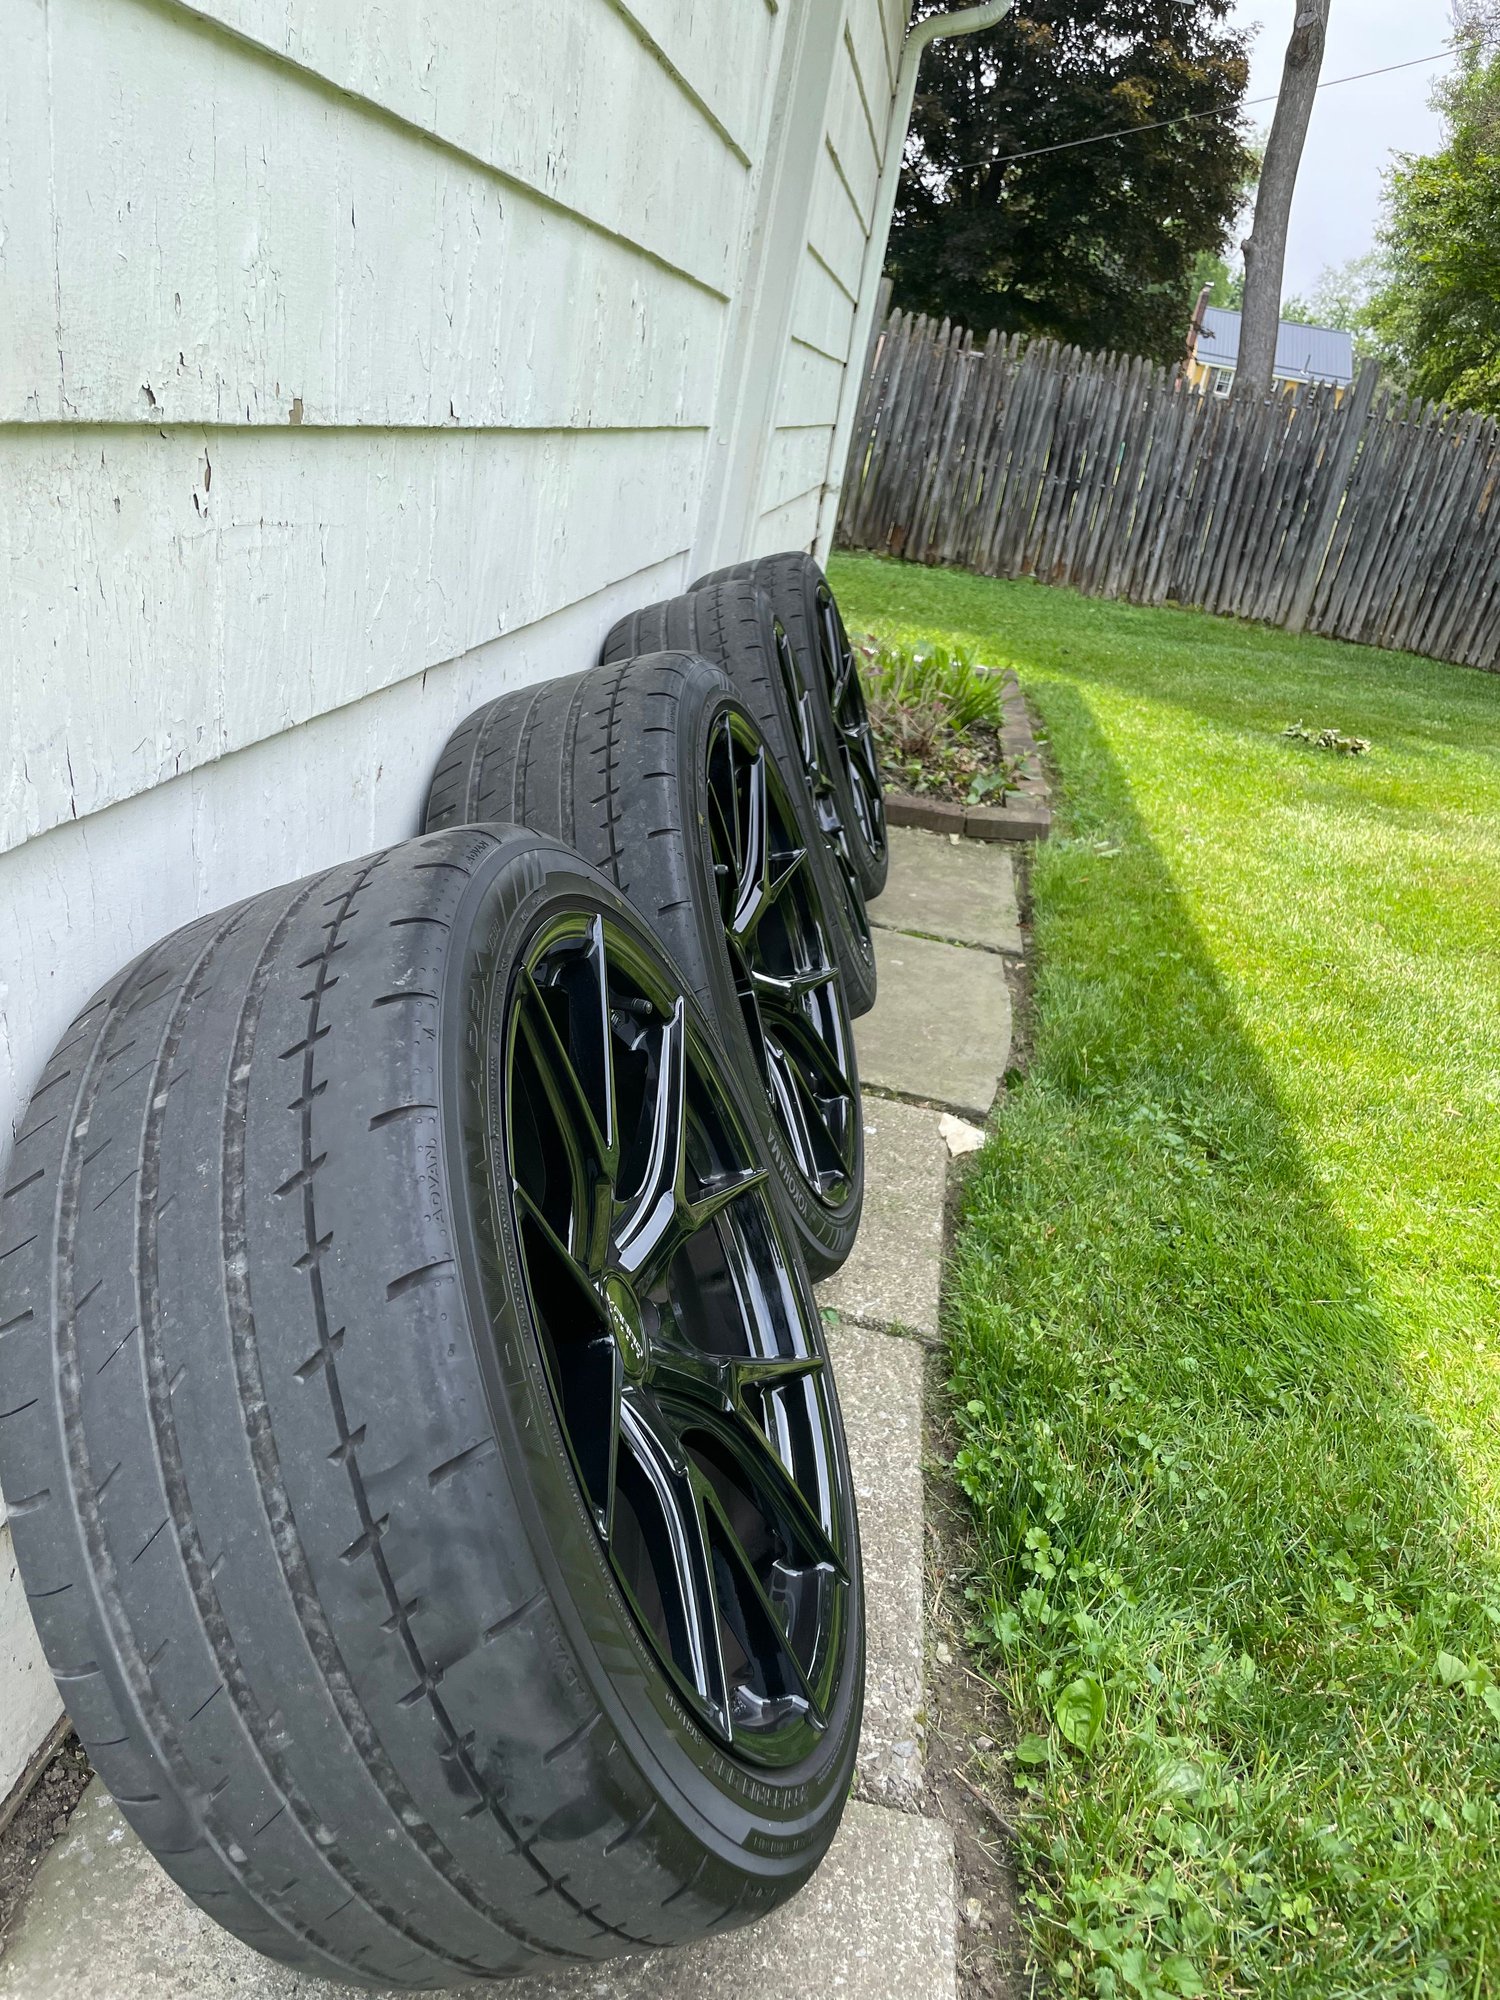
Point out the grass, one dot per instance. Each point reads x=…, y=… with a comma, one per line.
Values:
x=1225, y=1312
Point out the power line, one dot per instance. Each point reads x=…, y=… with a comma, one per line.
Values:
x=1188, y=117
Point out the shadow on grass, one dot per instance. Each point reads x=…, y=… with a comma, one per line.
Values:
x=1203, y=1490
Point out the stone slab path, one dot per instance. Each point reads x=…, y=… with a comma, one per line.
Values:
x=940, y=1027
x=959, y=891
x=879, y=1921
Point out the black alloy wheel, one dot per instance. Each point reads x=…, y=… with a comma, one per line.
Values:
x=800, y=596
x=732, y=624
x=843, y=847
x=785, y=980
x=656, y=772
x=854, y=736
x=422, y=1458
x=688, y=1378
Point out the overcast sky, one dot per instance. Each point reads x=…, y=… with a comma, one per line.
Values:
x=1356, y=127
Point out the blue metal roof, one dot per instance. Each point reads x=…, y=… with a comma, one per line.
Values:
x=1303, y=353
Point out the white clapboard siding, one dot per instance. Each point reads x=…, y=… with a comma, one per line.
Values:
x=823, y=313
x=470, y=68
x=893, y=18
x=292, y=252
x=850, y=142
x=297, y=326
x=834, y=229
x=567, y=99
x=796, y=462
x=791, y=525
x=243, y=581
x=869, y=59
x=84, y=899
x=29, y=1706
x=810, y=383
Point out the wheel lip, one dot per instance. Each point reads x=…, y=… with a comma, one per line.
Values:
x=495, y=1281
x=746, y=732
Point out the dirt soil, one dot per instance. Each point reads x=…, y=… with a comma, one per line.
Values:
x=42, y=1818
x=965, y=767
x=968, y=1731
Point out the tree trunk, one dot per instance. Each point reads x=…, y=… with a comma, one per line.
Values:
x=1265, y=247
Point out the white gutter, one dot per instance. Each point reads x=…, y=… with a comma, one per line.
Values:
x=962, y=21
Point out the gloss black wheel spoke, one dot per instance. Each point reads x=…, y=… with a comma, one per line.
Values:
x=776, y=1487
x=819, y=1156
x=838, y=657
x=594, y=1037
x=785, y=990
x=721, y=1381
x=725, y=1539
x=594, y=1421
x=559, y=1078
x=789, y=989
x=570, y=1261
x=649, y=1218
x=689, y=1563
x=791, y=1114
x=781, y=871
x=851, y=720
x=755, y=849
x=662, y=1216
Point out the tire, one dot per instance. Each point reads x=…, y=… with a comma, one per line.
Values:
x=733, y=625
x=624, y=763
x=801, y=598
x=297, y=1500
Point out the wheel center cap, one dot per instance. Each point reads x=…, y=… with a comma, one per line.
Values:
x=625, y=1323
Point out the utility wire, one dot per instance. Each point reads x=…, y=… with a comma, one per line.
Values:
x=1188, y=117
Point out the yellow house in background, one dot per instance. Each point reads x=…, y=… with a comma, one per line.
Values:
x=1303, y=353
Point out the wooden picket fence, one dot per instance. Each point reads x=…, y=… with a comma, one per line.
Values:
x=1375, y=519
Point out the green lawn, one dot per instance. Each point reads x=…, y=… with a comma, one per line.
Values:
x=1225, y=1315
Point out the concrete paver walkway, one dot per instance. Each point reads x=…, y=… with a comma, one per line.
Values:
x=961, y=891
x=893, y=1277
x=879, y=1920
x=940, y=1026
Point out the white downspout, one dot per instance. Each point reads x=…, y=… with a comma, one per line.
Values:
x=962, y=21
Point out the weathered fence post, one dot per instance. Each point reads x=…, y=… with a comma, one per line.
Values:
x=1353, y=416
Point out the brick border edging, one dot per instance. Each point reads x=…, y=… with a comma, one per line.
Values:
x=1026, y=813
x=1018, y=822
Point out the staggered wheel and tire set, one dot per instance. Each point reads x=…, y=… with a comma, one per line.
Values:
x=416, y=1428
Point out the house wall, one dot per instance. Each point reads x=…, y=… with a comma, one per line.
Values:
x=830, y=264
x=357, y=363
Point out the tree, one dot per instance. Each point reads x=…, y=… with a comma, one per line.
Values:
x=1093, y=244
x=1265, y=247
x=1438, y=312
x=1343, y=297
x=1225, y=287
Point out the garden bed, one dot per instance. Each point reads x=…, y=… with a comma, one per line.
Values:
x=958, y=753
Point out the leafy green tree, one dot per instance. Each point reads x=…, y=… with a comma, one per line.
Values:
x=1438, y=311
x=1225, y=286
x=1344, y=296
x=1094, y=244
